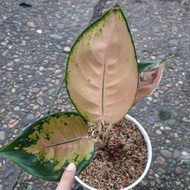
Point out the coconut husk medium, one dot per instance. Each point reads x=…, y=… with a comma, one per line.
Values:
x=122, y=160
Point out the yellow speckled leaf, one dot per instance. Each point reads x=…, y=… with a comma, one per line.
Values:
x=50, y=144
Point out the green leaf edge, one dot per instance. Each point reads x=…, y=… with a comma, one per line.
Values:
x=81, y=166
x=149, y=63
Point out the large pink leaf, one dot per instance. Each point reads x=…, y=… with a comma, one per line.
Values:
x=102, y=73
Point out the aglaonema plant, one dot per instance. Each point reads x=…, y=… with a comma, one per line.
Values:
x=104, y=80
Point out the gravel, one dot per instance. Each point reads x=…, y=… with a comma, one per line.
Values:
x=34, y=44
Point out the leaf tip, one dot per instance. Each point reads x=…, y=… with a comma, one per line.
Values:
x=116, y=8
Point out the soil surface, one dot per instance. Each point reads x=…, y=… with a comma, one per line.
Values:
x=121, y=161
x=35, y=39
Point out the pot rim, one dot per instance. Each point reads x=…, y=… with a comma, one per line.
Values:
x=149, y=147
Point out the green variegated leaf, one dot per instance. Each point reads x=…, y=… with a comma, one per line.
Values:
x=47, y=146
x=102, y=74
x=151, y=64
x=149, y=78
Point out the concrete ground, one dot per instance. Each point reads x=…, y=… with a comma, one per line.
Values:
x=35, y=39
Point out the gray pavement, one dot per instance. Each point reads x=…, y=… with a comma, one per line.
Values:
x=35, y=39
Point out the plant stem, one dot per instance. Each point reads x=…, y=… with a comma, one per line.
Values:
x=100, y=143
x=105, y=136
x=100, y=130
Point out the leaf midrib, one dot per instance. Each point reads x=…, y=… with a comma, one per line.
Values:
x=105, y=66
x=67, y=142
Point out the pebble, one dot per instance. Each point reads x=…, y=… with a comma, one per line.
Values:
x=17, y=108
x=35, y=90
x=156, y=175
x=176, y=135
x=155, y=150
x=37, y=114
x=5, y=53
x=30, y=117
x=158, y=132
x=41, y=68
x=44, y=88
x=56, y=82
x=184, y=153
x=168, y=128
x=134, y=30
x=160, y=160
x=178, y=170
x=2, y=135
x=31, y=24
x=48, y=79
x=59, y=101
x=177, y=182
x=40, y=101
x=151, y=120
x=58, y=71
x=39, y=31
x=56, y=36
x=16, y=60
x=51, y=91
x=186, y=120
x=66, y=49
x=152, y=183
x=22, y=97
x=13, y=90
x=161, y=171
x=58, y=47
x=144, y=182
x=156, y=94
x=12, y=123
x=177, y=102
x=166, y=153
x=171, y=121
x=176, y=154
x=25, y=45
x=35, y=107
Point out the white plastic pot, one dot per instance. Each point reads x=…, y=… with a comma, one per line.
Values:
x=144, y=133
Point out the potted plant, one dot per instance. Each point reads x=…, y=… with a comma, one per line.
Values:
x=104, y=80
